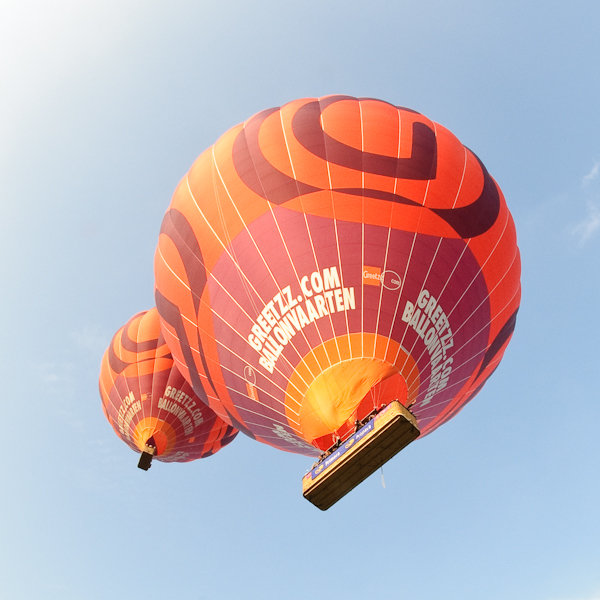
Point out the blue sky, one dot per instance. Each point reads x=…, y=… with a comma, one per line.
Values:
x=103, y=107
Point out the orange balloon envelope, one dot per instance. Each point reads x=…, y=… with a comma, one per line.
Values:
x=149, y=403
x=329, y=256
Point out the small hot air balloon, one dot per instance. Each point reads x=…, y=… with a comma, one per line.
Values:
x=148, y=402
x=329, y=257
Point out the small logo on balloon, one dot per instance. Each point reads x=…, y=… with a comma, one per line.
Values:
x=249, y=375
x=371, y=275
x=388, y=278
x=391, y=280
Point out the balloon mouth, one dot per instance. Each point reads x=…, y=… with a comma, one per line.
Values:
x=154, y=432
x=159, y=441
x=356, y=373
x=346, y=393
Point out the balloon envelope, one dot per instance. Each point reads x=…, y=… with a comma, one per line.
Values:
x=146, y=399
x=329, y=256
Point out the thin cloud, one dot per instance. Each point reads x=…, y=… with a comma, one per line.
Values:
x=56, y=374
x=91, y=339
x=592, y=597
x=589, y=225
x=592, y=175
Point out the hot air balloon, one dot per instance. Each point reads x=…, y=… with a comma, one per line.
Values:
x=149, y=404
x=328, y=258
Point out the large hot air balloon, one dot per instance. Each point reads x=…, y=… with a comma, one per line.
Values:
x=328, y=257
x=150, y=405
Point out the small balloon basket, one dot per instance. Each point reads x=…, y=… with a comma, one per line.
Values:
x=351, y=461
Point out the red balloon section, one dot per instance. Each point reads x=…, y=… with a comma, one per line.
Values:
x=148, y=402
x=329, y=256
